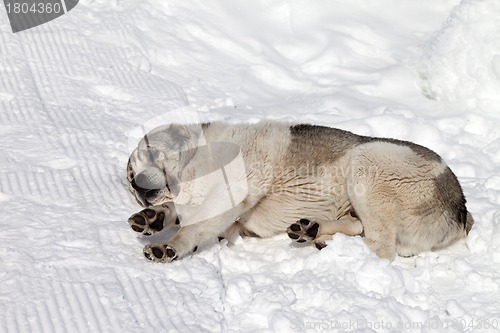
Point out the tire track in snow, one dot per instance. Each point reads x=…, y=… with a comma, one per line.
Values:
x=121, y=79
x=136, y=291
x=51, y=57
x=43, y=186
x=128, y=294
x=62, y=304
x=55, y=304
x=96, y=179
x=14, y=319
x=69, y=120
x=45, y=318
x=63, y=131
x=152, y=305
x=97, y=292
x=89, y=312
x=86, y=301
x=65, y=159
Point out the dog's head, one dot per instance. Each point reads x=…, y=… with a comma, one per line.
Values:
x=155, y=167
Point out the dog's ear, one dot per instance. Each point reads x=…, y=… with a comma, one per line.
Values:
x=185, y=140
x=177, y=142
x=185, y=156
x=173, y=138
x=181, y=137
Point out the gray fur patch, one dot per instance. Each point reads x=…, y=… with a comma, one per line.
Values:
x=336, y=142
x=450, y=197
x=329, y=143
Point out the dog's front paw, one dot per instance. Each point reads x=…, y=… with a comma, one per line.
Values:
x=303, y=230
x=160, y=253
x=147, y=221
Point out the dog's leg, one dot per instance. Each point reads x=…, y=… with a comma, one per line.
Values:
x=154, y=219
x=378, y=226
x=373, y=192
x=190, y=237
x=306, y=230
x=382, y=242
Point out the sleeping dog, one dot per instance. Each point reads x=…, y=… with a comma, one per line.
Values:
x=223, y=180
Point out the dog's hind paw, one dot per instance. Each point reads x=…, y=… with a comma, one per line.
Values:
x=303, y=230
x=160, y=253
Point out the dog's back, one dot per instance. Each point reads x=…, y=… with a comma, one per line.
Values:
x=404, y=195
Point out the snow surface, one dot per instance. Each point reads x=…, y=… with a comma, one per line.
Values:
x=70, y=91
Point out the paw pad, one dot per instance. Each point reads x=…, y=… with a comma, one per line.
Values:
x=303, y=230
x=147, y=222
x=160, y=253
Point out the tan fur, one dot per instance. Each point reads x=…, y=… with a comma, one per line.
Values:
x=393, y=192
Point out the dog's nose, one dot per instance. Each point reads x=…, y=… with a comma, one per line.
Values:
x=149, y=180
x=135, y=184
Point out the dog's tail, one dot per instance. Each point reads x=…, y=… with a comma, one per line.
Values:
x=468, y=223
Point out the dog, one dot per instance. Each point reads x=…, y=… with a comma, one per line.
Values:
x=304, y=180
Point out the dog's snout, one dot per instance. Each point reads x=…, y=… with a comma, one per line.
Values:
x=137, y=187
x=148, y=181
x=149, y=185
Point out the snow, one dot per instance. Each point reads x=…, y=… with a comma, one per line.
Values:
x=73, y=91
